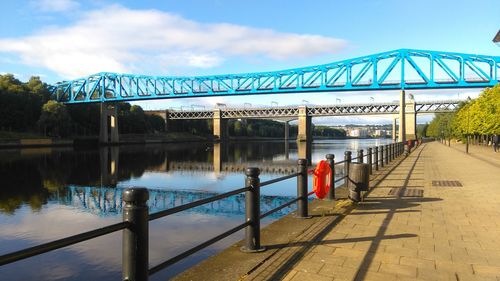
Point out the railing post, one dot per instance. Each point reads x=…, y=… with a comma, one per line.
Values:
x=382, y=156
x=386, y=156
x=331, y=192
x=252, y=212
x=347, y=161
x=360, y=156
x=302, y=211
x=375, y=155
x=369, y=160
x=391, y=151
x=135, y=237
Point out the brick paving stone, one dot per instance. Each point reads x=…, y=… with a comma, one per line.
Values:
x=451, y=233
x=305, y=276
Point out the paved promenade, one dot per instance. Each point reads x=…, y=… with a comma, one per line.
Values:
x=449, y=233
x=416, y=223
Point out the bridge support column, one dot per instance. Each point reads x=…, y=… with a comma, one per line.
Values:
x=402, y=117
x=219, y=125
x=305, y=132
x=411, y=119
x=108, y=132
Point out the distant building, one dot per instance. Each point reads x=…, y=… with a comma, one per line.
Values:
x=357, y=132
x=380, y=133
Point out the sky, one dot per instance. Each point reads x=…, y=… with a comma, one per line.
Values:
x=66, y=39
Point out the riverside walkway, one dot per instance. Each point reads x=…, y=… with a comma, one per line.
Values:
x=417, y=223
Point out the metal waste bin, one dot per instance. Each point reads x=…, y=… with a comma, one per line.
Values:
x=358, y=180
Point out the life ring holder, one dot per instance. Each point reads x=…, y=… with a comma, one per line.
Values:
x=322, y=175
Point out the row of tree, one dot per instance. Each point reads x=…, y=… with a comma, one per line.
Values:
x=26, y=107
x=477, y=117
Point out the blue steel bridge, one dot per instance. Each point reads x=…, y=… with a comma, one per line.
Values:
x=108, y=201
x=394, y=70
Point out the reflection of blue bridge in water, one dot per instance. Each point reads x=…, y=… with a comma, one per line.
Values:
x=108, y=201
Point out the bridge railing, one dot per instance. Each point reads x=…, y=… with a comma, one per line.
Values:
x=136, y=217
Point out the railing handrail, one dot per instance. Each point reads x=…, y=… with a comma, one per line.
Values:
x=61, y=243
x=396, y=149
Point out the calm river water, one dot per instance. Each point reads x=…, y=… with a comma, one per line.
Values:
x=51, y=193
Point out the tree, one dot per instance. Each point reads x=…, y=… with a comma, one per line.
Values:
x=55, y=120
x=480, y=116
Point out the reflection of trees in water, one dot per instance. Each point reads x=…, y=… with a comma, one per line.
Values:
x=21, y=184
x=30, y=179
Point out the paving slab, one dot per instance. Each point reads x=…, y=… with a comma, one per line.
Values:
x=418, y=232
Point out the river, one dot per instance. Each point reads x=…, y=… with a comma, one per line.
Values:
x=51, y=193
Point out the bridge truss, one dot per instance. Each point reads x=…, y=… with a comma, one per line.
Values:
x=316, y=111
x=399, y=69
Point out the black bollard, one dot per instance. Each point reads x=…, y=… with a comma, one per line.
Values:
x=360, y=156
x=369, y=160
x=331, y=192
x=252, y=212
x=302, y=211
x=135, y=237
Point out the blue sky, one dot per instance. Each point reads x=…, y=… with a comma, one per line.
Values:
x=64, y=39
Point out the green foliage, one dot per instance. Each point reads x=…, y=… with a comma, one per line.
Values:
x=21, y=102
x=480, y=116
x=55, y=120
x=156, y=123
x=422, y=129
x=325, y=131
x=85, y=119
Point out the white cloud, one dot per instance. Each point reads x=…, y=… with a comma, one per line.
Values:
x=55, y=5
x=119, y=39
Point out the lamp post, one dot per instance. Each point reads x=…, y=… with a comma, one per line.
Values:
x=467, y=131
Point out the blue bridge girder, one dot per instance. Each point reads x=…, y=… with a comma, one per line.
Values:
x=395, y=70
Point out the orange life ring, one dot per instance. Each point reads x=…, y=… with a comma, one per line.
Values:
x=321, y=179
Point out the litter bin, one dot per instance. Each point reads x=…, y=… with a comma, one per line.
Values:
x=359, y=178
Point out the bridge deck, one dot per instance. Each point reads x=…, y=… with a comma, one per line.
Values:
x=407, y=228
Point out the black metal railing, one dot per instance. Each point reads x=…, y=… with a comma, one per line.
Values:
x=135, y=224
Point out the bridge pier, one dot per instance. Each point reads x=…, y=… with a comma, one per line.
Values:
x=219, y=126
x=411, y=119
x=108, y=132
x=305, y=132
x=402, y=117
